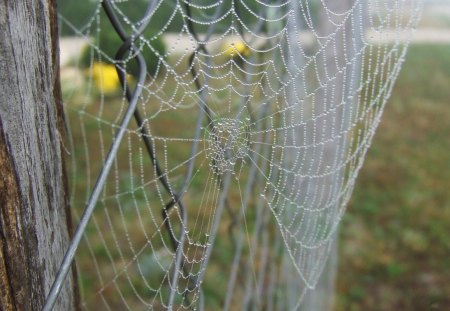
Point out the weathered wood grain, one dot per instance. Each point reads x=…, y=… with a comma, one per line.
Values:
x=34, y=218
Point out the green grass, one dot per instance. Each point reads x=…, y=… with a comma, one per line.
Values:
x=395, y=238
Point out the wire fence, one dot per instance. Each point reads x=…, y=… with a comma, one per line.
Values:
x=283, y=119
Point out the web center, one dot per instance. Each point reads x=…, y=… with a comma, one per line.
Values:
x=227, y=142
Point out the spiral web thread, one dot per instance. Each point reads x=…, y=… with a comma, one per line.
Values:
x=254, y=124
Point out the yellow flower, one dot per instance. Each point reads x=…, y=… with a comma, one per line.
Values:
x=235, y=48
x=105, y=77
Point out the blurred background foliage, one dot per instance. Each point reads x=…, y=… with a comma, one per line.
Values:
x=81, y=14
x=395, y=235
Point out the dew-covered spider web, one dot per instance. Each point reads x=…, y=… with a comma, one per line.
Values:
x=251, y=122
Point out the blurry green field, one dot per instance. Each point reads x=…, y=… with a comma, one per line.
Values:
x=395, y=236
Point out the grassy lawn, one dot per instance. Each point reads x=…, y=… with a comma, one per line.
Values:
x=395, y=237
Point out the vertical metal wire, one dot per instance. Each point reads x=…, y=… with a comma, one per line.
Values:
x=133, y=97
x=132, y=110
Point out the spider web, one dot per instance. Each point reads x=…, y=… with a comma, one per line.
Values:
x=255, y=121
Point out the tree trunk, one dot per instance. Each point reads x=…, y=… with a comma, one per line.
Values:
x=34, y=218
